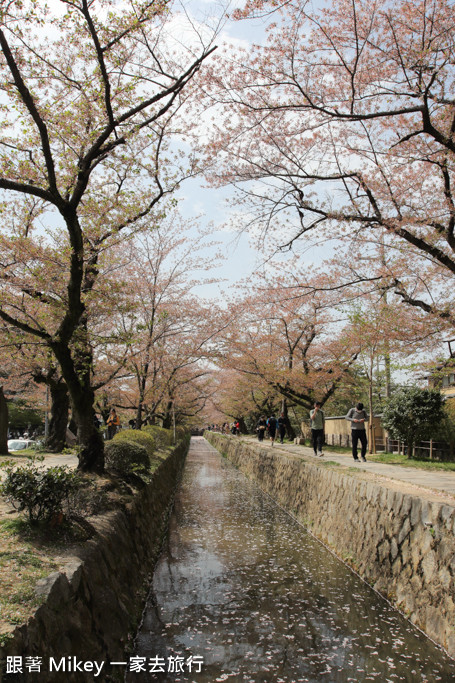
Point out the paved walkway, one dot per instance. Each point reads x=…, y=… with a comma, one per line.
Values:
x=435, y=484
x=430, y=484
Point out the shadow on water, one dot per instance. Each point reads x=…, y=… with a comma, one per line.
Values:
x=243, y=593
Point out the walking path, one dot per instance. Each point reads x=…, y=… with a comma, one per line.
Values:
x=431, y=485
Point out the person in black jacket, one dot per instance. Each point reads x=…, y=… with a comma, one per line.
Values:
x=271, y=426
x=281, y=427
x=261, y=427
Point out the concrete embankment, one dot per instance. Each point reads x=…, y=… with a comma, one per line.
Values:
x=401, y=543
x=93, y=604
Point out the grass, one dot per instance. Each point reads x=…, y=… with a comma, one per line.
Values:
x=31, y=552
x=24, y=559
x=391, y=458
x=20, y=455
x=419, y=463
x=336, y=449
x=399, y=459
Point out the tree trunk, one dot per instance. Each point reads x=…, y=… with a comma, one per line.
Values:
x=289, y=428
x=60, y=405
x=76, y=374
x=103, y=407
x=91, y=455
x=90, y=440
x=371, y=446
x=139, y=415
x=243, y=427
x=56, y=436
x=167, y=418
x=388, y=376
x=4, y=420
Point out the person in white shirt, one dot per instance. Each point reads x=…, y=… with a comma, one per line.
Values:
x=358, y=418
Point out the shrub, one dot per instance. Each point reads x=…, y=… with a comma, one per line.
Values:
x=126, y=456
x=162, y=437
x=446, y=431
x=42, y=492
x=138, y=437
x=181, y=433
x=413, y=414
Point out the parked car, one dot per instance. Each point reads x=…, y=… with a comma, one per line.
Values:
x=20, y=444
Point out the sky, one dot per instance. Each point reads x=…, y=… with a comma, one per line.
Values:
x=215, y=206
x=241, y=258
x=212, y=204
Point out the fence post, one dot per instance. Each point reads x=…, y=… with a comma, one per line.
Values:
x=372, y=438
x=431, y=449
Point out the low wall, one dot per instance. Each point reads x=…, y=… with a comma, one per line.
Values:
x=93, y=604
x=403, y=545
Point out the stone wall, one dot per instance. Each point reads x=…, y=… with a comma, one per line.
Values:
x=93, y=605
x=402, y=544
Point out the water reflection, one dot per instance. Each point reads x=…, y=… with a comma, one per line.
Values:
x=243, y=586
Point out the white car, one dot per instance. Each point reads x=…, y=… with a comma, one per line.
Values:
x=20, y=444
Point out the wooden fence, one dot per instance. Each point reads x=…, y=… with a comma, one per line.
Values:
x=434, y=450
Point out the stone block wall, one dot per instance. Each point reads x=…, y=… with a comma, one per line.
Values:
x=95, y=602
x=402, y=544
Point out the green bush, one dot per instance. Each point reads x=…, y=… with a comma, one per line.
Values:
x=139, y=437
x=446, y=429
x=413, y=414
x=162, y=437
x=42, y=492
x=126, y=456
x=180, y=433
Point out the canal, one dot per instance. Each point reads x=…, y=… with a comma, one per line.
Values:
x=243, y=593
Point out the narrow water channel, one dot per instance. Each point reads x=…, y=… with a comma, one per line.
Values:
x=244, y=593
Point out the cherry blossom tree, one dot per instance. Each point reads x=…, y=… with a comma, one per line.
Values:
x=385, y=335
x=289, y=340
x=342, y=125
x=91, y=99
x=238, y=396
x=162, y=331
x=3, y=423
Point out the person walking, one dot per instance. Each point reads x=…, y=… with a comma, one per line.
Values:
x=271, y=426
x=281, y=427
x=358, y=417
x=113, y=423
x=317, y=422
x=261, y=427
